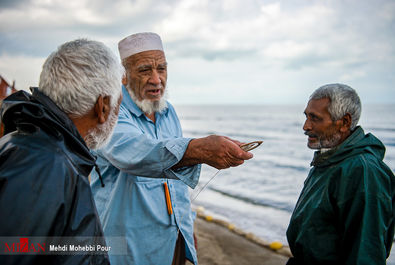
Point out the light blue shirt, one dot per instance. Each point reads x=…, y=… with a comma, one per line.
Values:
x=135, y=165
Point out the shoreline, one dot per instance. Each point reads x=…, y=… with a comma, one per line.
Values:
x=220, y=242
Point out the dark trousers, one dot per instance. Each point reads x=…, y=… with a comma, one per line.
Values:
x=179, y=251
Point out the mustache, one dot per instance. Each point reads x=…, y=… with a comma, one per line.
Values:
x=310, y=134
x=150, y=87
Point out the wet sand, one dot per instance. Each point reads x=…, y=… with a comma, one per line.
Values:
x=218, y=245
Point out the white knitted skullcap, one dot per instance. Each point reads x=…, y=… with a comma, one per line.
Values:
x=139, y=42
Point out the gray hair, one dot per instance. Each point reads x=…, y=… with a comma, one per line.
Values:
x=79, y=72
x=343, y=99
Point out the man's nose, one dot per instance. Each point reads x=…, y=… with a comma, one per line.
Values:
x=155, y=78
x=307, y=125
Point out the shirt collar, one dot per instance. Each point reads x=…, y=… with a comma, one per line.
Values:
x=132, y=107
x=324, y=150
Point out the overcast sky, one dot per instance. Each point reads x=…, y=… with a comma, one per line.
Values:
x=221, y=51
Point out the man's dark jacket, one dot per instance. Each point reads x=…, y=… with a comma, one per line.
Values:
x=345, y=214
x=44, y=187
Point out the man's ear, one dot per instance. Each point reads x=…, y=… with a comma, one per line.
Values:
x=102, y=108
x=345, y=123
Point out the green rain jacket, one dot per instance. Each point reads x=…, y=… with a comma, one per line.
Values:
x=345, y=212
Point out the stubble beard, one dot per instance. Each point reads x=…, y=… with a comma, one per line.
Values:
x=325, y=141
x=100, y=136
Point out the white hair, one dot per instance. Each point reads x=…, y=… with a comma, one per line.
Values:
x=79, y=72
x=343, y=99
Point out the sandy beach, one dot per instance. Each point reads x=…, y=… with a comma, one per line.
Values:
x=218, y=245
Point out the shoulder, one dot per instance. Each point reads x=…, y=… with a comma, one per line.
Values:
x=171, y=109
x=37, y=143
x=170, y=106
x=123, y=112
x=34, y=154
x=363, y=173
x=36, y=176
x=170, y=112
x=365, y=163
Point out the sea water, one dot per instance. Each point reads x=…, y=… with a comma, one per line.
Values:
x=259, y=195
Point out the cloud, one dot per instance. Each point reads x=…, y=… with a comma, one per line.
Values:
x=12, y=3
x=277, y=47
x=24, y=70
x=347, y=77
x=307, y=36
x=39, y=26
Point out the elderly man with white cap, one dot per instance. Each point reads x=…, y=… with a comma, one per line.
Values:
x=148, y=165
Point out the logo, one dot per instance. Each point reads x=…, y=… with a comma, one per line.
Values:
x=24, y=246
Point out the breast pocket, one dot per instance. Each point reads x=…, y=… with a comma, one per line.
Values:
x=148, y=204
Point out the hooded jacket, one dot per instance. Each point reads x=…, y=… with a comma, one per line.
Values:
x=345, y=212
x=44, y=187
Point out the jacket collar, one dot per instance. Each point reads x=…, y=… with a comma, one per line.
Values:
x=323, y=158
x=22, y=108
x=39, y=110
x=57, y=114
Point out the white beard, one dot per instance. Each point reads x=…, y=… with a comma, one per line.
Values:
x=99, y=136
x=147, y=106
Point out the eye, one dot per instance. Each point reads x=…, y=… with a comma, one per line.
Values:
x=161, y=68
x=315, y=118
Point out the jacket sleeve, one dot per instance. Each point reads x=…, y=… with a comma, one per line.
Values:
x=133, y=152
x=41, y=196
x=365, y=212
x=32, y=186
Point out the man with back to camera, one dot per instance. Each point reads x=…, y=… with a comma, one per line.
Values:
x=148, y=166
x=345, y=212
x=44, y=155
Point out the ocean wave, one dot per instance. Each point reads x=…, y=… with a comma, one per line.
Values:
x=265, y=136
x=297, y=168
x=379, y=129
x=261, y=202
x=231, y=135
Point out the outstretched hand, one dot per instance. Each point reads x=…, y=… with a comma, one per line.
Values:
x=217, y=151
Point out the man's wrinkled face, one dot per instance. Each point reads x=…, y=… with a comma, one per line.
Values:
x=322, y=131
x=147, y=75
